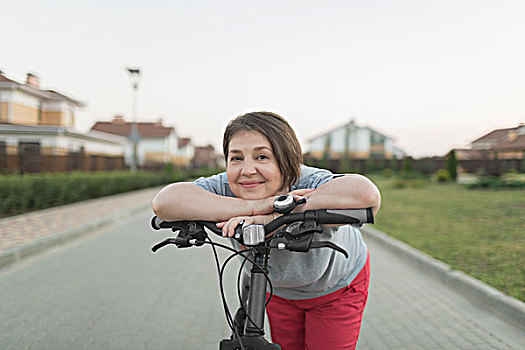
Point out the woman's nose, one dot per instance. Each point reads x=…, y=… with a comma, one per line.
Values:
x=248, y=168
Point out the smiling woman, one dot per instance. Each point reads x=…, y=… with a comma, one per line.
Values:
x=279, y=139
x=263, y=160
x=252, y=169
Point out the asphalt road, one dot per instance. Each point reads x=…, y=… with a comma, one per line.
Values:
x=108, y=291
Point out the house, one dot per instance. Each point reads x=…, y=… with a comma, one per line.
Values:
x=185, y=153
x=158, y=144
x=37, y=132
x=359, y=142
x=206, y=157
x=508, y=143
x=28, y=104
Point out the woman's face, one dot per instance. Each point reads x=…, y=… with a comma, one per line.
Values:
x=252, y=169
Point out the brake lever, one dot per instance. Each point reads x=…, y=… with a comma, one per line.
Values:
x=325, y=244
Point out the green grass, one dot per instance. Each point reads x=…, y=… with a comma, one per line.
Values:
x=480, y=232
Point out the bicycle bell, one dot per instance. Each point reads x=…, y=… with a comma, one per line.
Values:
x=286, y=203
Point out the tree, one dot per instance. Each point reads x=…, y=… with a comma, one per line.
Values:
x=407, y=164
x=344, y=161
x=452, y=165
x=325, y=161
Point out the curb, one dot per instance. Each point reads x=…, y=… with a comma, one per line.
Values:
x=21, y=252
x=507, y=308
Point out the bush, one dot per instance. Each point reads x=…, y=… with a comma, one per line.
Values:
x=21, y=193
x=387, y=172
x=442, y=175
x=505, y=182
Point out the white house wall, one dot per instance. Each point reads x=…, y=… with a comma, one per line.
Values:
x=337, y=142
x=90, y=146
x=359, y=140
x=317, y=144
x=6, y=95
x=153, y=145
x=173, y=144
x=362, y=137
x=28, y=100
x=25, y=99
x=68, y=142
x=150, y=145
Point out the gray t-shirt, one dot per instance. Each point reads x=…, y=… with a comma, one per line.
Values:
x=296, y=275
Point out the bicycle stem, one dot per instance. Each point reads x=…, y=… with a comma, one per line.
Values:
x=257, y=296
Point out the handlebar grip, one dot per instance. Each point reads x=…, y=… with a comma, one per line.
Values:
x=156, y=223
x=346, y=216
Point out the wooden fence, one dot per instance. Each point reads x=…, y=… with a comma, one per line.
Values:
x=36, y=163
x=493, y=167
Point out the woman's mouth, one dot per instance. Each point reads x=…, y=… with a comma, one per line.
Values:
x=251, y=184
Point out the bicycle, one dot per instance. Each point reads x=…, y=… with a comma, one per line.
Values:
x=292, y=231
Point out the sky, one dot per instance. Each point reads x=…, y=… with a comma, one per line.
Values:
x=433, y=74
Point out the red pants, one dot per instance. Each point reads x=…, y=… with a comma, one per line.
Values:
x=329, y=322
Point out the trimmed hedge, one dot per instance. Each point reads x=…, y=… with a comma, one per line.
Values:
x=507, y=181
x=442, y=175
x=22, y=193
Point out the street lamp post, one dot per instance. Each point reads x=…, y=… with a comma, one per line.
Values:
x=134, y=135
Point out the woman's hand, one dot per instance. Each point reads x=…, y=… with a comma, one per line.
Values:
x=298, y=194
x=228, y=227
x=265, y=206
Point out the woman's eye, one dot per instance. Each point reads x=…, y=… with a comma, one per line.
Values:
x=262, y=156
x=235, y=158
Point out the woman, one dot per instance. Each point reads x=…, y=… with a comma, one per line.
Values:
x=319, y=297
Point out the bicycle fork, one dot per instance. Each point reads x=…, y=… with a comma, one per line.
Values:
x=252, y=336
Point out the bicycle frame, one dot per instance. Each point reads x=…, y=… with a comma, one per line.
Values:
x=252, y=325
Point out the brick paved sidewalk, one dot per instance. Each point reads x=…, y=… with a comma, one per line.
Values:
x=23, y=229
x=410, y=309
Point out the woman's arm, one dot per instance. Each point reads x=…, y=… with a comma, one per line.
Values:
x=187, y=201
x=349, y=191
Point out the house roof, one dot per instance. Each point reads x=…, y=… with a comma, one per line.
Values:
x=7, y=80
x=118, y=127
x=517, y=144
x=495, y=134
x=45, y=94
x=350, y=123
x=184, y=141
x=329, y=131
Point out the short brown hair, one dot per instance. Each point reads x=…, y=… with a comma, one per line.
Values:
x=281, y=136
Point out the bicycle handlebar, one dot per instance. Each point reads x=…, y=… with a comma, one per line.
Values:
x=322, y=216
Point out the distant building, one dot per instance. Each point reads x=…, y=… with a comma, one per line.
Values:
x=37, y=128
x=185, y=153
x=361, y=142
x=506, y=143
x=28, y=104
x=206, y=157
x=158, y=144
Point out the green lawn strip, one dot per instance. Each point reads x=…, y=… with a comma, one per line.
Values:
x=480, y=232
